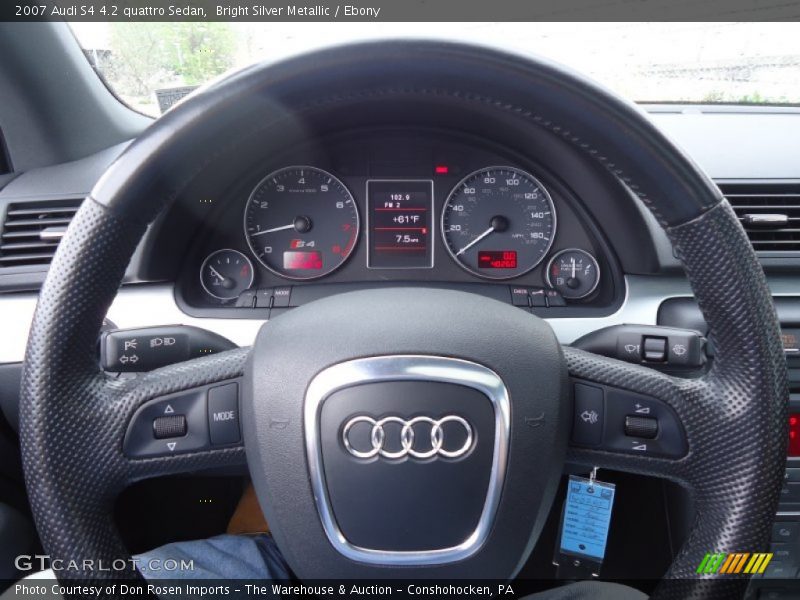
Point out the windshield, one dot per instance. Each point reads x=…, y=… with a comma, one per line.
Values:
x=152, y=65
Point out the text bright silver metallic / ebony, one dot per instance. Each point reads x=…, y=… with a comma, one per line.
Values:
x=412, y=368
x=408, y=437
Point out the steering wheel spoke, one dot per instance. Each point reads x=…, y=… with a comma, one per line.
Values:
x=628, y=417
x=183, y=418
x=157, y=424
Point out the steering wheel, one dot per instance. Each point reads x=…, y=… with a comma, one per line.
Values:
x=494, y=387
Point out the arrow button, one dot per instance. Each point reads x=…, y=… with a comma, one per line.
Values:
x=587, y=424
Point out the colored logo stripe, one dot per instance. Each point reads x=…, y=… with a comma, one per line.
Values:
x=729, y=562
x=758, y=564
x=734, y=563
x=711, y=563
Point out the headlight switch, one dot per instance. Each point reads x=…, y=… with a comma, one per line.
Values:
x=148, y=348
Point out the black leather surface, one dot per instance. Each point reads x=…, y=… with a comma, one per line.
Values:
x=735, y=417
x=72, y=418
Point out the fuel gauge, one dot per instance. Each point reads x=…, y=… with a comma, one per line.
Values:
x=574, y=273
x=226, y=273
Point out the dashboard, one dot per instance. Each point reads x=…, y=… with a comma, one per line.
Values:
x=413, y=191
x=423, y=207
x=638, y=272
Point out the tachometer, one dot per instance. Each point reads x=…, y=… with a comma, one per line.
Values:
x=301, y=222
x=499, y=222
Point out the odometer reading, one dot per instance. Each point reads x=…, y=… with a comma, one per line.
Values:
x=497, y=259
x=499, y=222
x=301, y=222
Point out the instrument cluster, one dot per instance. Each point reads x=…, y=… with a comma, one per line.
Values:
x=378, y=216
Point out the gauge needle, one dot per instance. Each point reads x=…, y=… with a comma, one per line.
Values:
x=225, y=282
x=475, y=241
x=573, y=268
x=274, y=229
x=216, y=274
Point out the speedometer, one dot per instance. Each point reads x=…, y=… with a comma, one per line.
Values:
x=301, y=222
x=499, y=222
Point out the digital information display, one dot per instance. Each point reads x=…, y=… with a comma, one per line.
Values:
x=400, y=219
x=296, y=259
x=497, y=259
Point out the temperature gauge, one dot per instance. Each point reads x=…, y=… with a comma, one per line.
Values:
x=574, y=273
x=226, y=273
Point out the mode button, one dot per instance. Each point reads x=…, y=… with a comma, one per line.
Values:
x=223, y=414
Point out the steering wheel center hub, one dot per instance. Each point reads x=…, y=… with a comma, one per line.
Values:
x=407, y=456
x=388, y=442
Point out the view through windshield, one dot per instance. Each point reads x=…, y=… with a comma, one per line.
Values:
x=151, y=65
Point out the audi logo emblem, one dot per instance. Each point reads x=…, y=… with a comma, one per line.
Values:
x=408, y=435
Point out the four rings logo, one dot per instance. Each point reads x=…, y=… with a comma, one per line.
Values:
x=410, y=432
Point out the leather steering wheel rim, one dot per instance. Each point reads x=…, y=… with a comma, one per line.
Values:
x=735, y=416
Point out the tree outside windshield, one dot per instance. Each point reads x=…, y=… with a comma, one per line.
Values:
x=152, y=65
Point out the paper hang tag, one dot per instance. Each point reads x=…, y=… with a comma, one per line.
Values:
x=585, y=522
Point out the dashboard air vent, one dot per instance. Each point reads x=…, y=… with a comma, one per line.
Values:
x=769, y=213
x=31, y=231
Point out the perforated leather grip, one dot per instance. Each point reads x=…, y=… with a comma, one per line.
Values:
x=735, y=417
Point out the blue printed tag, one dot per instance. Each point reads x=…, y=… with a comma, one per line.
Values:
x=587, y=516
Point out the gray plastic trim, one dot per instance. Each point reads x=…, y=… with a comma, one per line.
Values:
x=148, y=305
